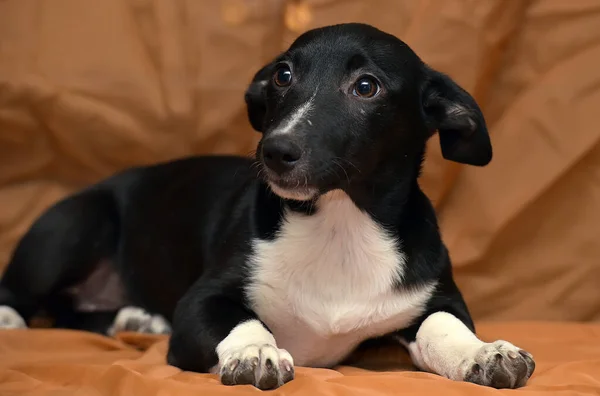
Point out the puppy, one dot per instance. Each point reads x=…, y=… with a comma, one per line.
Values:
x=323, y=242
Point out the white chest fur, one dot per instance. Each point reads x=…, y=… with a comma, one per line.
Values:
x=326, y=283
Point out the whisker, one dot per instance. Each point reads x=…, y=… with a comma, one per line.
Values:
x=351, y=164
x=340, y=166
x=260, y=173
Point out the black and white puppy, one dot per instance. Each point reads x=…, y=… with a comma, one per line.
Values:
x=323, y=242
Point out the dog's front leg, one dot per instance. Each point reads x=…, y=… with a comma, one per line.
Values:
x=213, y=333
x=445, y=346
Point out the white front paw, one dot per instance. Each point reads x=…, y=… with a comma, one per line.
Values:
x=10, y=319
x=499, y=364
x=264, y=366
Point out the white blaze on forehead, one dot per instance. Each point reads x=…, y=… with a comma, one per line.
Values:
x=297, y=115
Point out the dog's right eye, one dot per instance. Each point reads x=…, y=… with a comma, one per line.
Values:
x=283, y=76
x=366, y=87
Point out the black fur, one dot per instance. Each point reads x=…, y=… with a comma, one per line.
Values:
x=179, y=233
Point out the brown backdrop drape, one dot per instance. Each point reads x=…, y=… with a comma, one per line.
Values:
x=90, y=87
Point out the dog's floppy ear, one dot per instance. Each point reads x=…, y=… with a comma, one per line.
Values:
x=256, y=97
x=451, y=111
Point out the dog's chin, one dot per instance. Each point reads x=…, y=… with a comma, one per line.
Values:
x=300, y=193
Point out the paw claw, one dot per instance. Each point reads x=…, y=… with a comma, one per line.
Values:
x=525, y=354
x=265, y=367
x=528, y=361
x=234, y=364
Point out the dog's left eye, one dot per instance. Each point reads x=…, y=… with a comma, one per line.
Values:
x=283, y=76
x=366, y=87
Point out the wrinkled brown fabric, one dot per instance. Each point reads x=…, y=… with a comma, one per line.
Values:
x=53, y=362
x=88, y=88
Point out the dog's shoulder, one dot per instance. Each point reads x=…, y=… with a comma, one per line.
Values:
x=426, y=255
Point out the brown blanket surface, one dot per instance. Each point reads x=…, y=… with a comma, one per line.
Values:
x=55, y=362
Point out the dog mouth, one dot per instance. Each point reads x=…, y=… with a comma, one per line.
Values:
x=294, y=188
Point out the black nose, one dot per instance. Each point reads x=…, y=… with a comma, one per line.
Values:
x=280, y=154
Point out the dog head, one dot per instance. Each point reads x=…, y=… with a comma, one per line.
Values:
x=344, y=100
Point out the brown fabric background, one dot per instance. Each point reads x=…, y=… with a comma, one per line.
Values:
x=91, y=87
x=88, y=88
